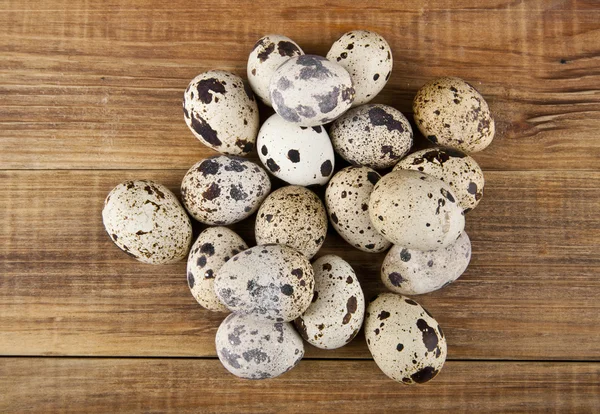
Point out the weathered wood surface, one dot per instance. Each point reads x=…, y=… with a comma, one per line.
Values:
x=94, y=88
x=193, y=385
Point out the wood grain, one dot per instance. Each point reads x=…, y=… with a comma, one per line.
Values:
x=99, y=86
x=192, y=385
x=531, y=291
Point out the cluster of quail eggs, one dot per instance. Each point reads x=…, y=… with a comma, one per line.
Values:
x=276, y=296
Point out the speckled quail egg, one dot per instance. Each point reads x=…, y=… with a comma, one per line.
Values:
x=309, y=90
x=213, y=247
x=406, y=342
x=269, y=282
x=224, y=189
x=368, y=58
x=414, y=272
x=415, y=210
x=293, y=216
x=457, y=169
x=347, y=200
x=298, y=155
x=374, y=135
x=257, y=350
x=336, y=313
x=460, y=171
x=145, y=220
x=270, y=52
x=221, y=112
x=450, y=112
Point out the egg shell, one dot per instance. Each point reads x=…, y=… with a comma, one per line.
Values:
x=338, y=306
x=406, y=342
x=213, y=247
x=257, y=350
x=270, y=283
x=374, y=135
x=220, y=110
x=451, y=113
x=368, y=58
x=224, y=189
x=270, y=52
x=347, y=200
x=297, y=155
x=460, y=171
x=414, y=272
x=309, y=90
x=145, y=220
x=415, y=210
x=293, y=216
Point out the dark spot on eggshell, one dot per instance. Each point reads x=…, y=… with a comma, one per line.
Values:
x=396, y=279
x=364, y=207
x=432, y=138
x=272, y=165
x=264, y=54
x=370, y=246
x=399, y=347
x=230, y=358
x=348, y=94
x=287, y=113
x=334, y=218
x=430, y=338
x=141, y=232
x=424, y=375
x=185, y=112
x=264, y=150
x=376, y=76
x=351, y=306
x=326, y=168
x=405, y=255
x=305, y=111
x=256, y=355
x=208, y=167
x=284, y=83
x=313, y=67
x=293, y=155
x=328, y=101
x=201, y=262
x=383, y=315
x=269, y=217
x=327, y=267
x=298, y=273
x=286, y=48
x=244, y=145
x=317, y=129
x=389, y=151
x=237, y=192
x=447, y=195
x=203, y=129
x=411, y=302
x=472, y=188
x=190, y=280
x=373, y=177
x=287, y=290
x=379, y=117
x=254, y=71
x=349, y=280
x=208, y=249
x=212, y=192
x=206, y=86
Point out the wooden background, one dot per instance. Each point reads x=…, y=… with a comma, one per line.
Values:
x=90, y=95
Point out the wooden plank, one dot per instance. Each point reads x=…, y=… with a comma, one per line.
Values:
x=99, y=84
x=532, y=290
x=182, y=385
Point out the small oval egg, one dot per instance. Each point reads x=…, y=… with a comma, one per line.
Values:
x=220, y=110
x=368, y=58
x=213, y=247
x=309, y=90
x=415, y=210
x=455, y=168
x=414, y=272
x=270, y=52
x=257, y=350
x=293, y=216
x=338, y=306
x=145, y=220
x=224, y=189
x=270, y=283
x=406, y=342
x=347, y=200
x=374, y=135
x=297, y=155
x=450, y=112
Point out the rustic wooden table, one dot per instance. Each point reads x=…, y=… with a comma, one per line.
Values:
x=90, y=95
